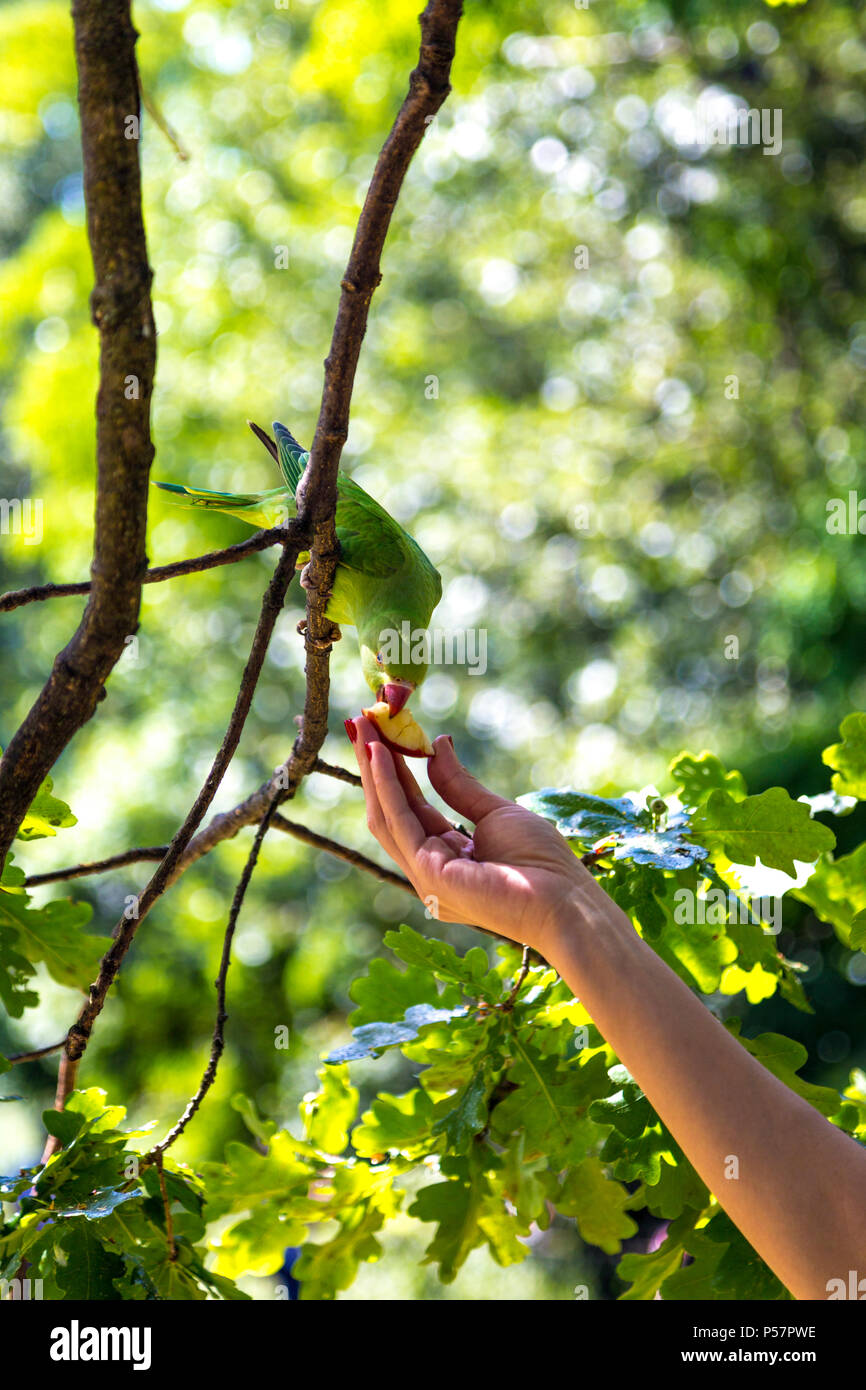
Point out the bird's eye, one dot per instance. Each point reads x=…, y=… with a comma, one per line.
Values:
x=379, y=661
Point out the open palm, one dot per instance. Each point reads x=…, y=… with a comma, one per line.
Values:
x=512, y=874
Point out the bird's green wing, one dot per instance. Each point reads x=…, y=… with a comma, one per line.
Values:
x=371, y=542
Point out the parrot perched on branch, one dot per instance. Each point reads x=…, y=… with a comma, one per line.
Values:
x=383, y=578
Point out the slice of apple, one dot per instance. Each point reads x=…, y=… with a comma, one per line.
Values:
x=402, y=733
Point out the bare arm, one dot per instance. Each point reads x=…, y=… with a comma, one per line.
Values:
x=800, y=1194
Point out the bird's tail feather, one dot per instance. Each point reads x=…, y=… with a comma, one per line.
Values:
x=290, y=456
x=219, y=501
x=256, y=508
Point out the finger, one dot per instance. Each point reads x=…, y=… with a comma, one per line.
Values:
x=403, y=824
x=458, y=787
x=376, y=822
x=432, y=820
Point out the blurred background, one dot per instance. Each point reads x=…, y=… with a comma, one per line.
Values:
x=612, y=379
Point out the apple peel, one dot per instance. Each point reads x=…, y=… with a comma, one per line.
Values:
x=402, y=733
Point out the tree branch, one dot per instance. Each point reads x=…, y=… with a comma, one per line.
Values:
x=79, y=1033
x=218, y=1043
x=342, y=774
x=36, y=1053
x=158, y=852
x=121, y=309
x=317, y=491
x=15, y=598
x=99, y=866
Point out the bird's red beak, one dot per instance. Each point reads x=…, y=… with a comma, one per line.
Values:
x=395, y=695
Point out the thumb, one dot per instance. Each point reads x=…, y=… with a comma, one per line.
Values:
x=463, y=792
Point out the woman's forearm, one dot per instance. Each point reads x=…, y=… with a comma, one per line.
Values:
x=800, y=1194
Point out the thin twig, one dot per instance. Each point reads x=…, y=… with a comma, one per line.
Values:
x=342, y=774
x=218, y=1043
x=159, y=120
x=15, y=598
x=99, y=866
x=351, y=856
x=67, y=1075
x=79, y=1033
x=166, y=1206
x=36, y=1053
x=518, y=983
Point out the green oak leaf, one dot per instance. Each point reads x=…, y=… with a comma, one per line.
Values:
x=849, y=757
x=328, y=1114
x=248, y=1178
x=695, y=1282
x=386, y=992
x=15, y=973
x=740, y=1273
x=647, y=1273
x=263, y=1130
x=455, y=1207
x=836, y=891
x=323, y=1270
x=770, y=827
x=89, y=1268
x=100, y=1203
x=549, y=1102
x=639, y=1157
x=45, y=815
x=257, y=1244
x=394, y=1123
x=679, y=1188
x=627, y=1109
x=461, y=1122
x=597, y=1204
x=857, y=939
x=588, y=819
x=784, y=1057
x=697, y=774
x=371, y=1038
x=471, y=971
x=504, y=1230
x=176, y=1284
x=527, y=1185
x=584, y=817
x=53, y=934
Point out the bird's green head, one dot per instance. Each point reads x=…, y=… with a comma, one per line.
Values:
x=392, y=668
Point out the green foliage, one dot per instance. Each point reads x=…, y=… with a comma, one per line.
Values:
x=45, y=815
x=849, y=758
x=517, y=1111
x=51, y=934
x=770, y=827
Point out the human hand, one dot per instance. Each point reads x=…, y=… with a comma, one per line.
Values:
x=514, y=874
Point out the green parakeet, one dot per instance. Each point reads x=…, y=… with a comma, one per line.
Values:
x=384, y=585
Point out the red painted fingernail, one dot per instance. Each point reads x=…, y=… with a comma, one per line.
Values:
x=350, y=729
x=368, y=749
